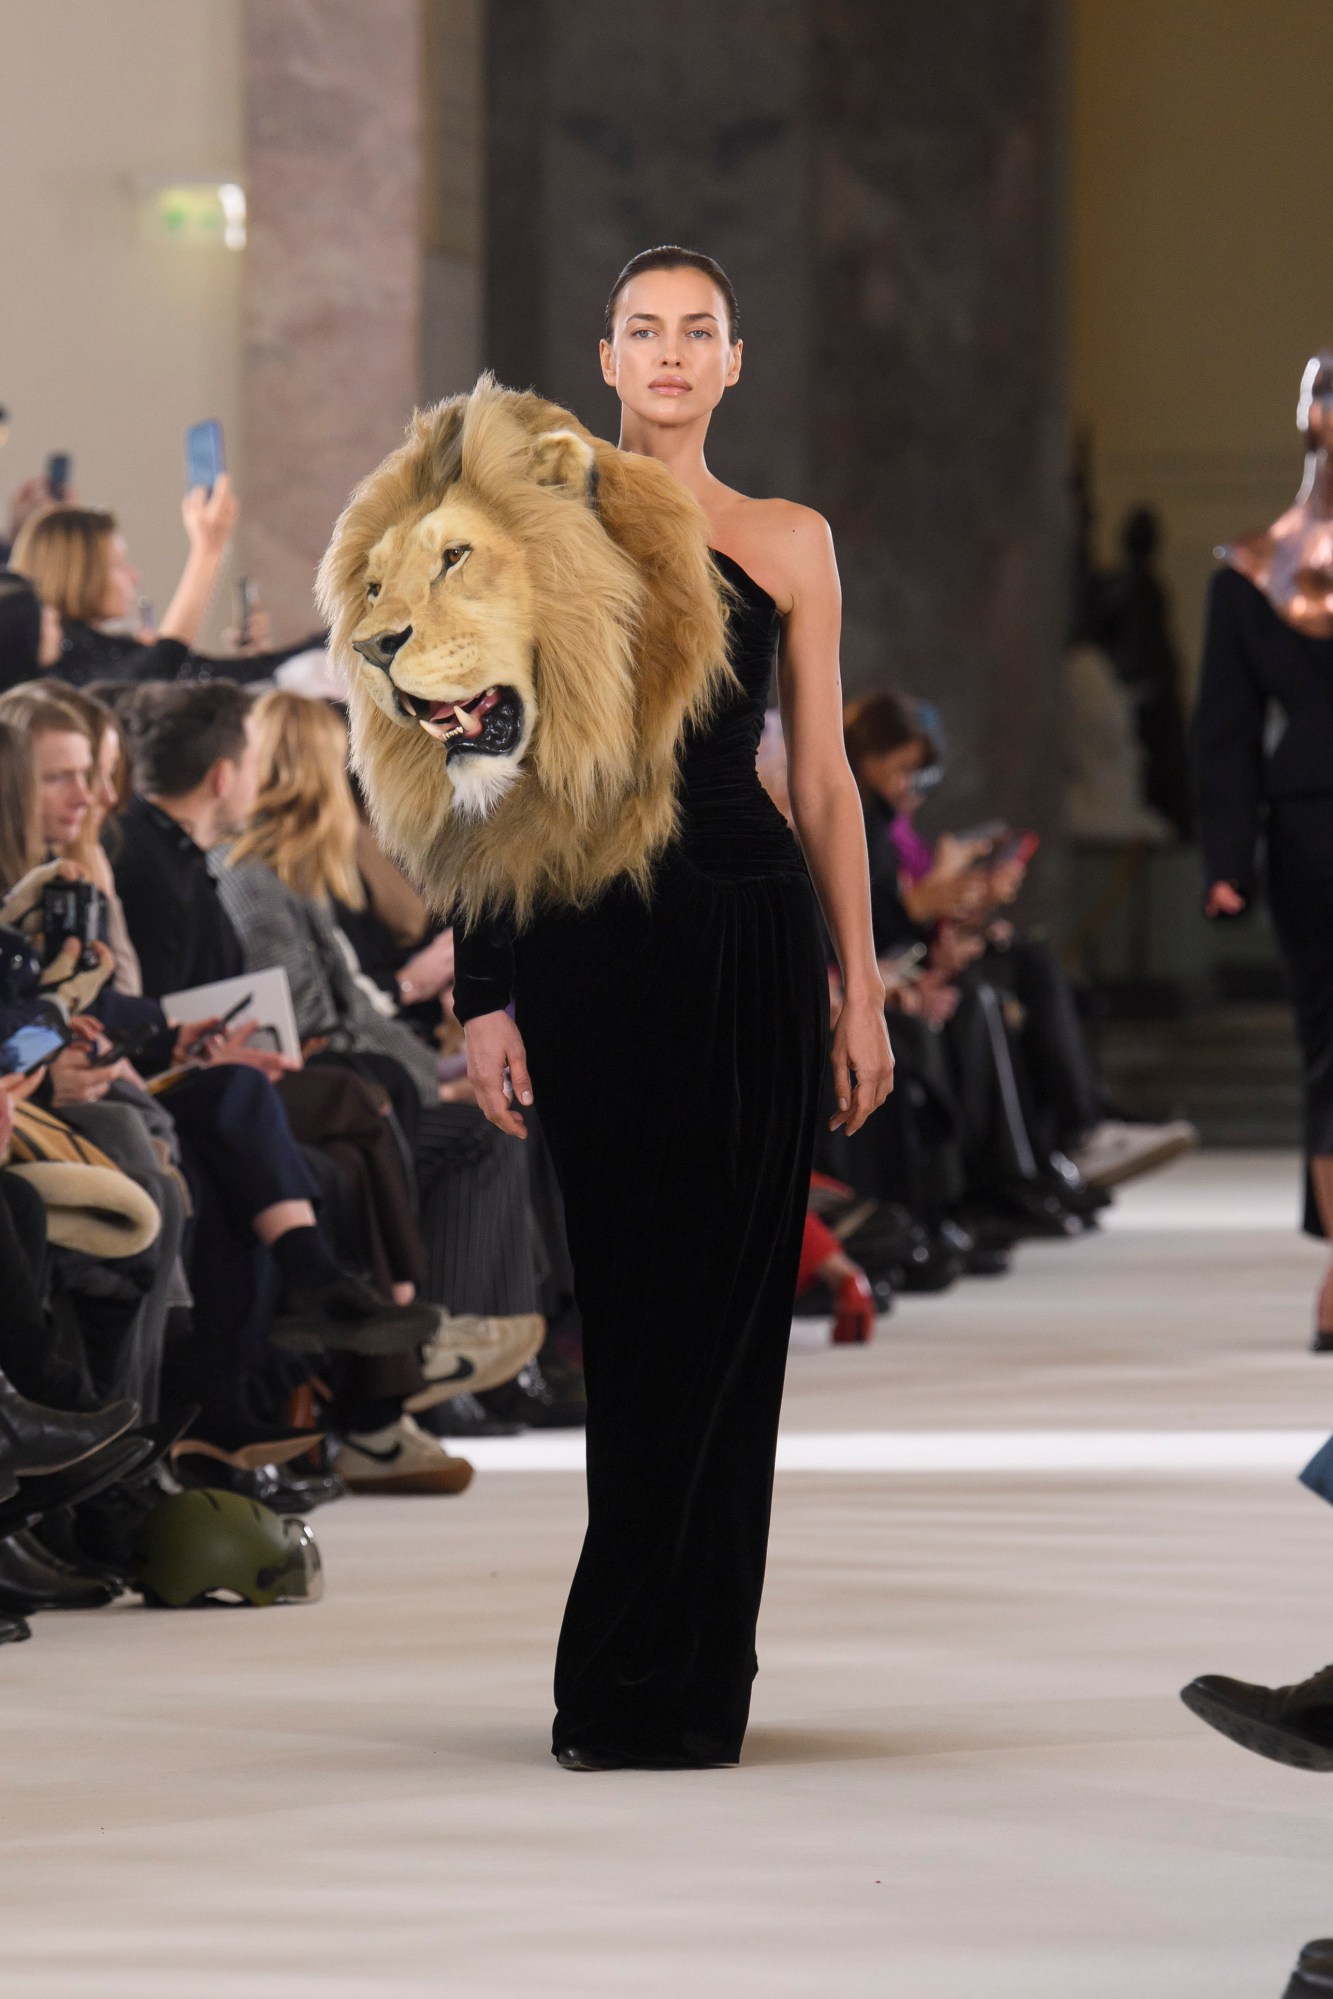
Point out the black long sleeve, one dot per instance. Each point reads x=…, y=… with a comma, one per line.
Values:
x=483, y=967
x=1228, y=742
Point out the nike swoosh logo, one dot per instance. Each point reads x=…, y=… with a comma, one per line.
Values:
x=463, y=1370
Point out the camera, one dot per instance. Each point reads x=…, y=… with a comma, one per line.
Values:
x=72, y=909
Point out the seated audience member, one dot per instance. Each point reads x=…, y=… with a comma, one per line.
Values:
x=252, y=1191
x=956, y=891
x=195, y=752
x=29, y=631
x=77, y=562
x=296, y=854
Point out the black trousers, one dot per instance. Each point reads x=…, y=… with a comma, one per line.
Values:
x=1300, y=894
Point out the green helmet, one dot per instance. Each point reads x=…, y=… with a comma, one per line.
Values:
x=199, y=1543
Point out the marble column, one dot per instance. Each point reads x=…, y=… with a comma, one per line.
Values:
x=332, y=316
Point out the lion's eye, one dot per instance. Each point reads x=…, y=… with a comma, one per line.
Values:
x=451, y=557
x=372, y=589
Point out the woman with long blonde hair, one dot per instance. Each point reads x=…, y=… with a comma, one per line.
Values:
x=294, y=860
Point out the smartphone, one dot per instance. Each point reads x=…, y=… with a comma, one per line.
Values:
x=904, y=968
x=205, y=461
x=245, y=604
x=218, y=1032
x=1021, y=848
x=29, y=1047
x=124, y=1044
x=73, y=909
x=58, y=468
x=993, y=830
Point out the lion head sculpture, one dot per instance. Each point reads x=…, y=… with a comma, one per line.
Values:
x=528, y=619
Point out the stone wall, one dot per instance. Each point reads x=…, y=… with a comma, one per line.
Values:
x=882, y=180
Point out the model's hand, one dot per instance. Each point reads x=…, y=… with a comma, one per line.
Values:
x=860, y=1050
x=1224, y=899
x=497, y=1068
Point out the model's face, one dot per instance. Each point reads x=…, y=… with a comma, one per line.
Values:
x=62, y=765
x=122, y=582
x=670, y=358
x=891, y=774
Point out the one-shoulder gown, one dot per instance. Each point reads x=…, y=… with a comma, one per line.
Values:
x=676, y=1046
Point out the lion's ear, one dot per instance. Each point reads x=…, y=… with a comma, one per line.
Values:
x=562, y=458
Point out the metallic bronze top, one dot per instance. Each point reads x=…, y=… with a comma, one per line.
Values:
x=1292, y=561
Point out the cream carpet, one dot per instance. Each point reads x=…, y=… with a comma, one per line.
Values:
x=1004, y=1536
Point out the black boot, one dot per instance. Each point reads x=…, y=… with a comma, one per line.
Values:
x=29, y=1582
x=13, y=1630
x=1314, y=1971
x=1292, y=1725
x=35, y=1440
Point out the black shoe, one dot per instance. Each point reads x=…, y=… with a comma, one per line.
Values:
x=118, y=1460
x=1321, y=1342
x=1065, y=1181
x=29, y=1582
x=465, y=1416
x=1037, y=1212
x=572, y=1757
x=545, y=1395
x=13, y=1630
x=282, y=1491
x=979, y=1259
x=1314, y=1971
x=1292, y=1725
x=36, y=1440
x=349, y=1316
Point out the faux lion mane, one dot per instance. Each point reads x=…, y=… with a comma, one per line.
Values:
x=629, y=648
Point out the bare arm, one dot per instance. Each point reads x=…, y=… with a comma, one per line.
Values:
x=210, y=519
x=827, y=811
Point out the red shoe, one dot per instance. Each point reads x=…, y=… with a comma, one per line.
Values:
x=854, y=1313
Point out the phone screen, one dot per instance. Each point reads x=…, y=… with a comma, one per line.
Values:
x=28, y=1047
x=204, y=458
x=57, y=474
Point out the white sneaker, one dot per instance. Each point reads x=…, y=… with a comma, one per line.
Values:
x=1114, y=1151
x=467, y=1355
x=400, y=1458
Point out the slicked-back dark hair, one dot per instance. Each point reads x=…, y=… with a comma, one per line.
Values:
x=177, y=733
x=671, y=257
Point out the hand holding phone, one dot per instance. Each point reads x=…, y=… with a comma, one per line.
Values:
x=205, y=460
x=32, y=1047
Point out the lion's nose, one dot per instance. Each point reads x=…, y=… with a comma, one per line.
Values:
x=380, y=649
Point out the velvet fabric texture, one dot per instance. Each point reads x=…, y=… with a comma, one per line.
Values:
x=676, y=1046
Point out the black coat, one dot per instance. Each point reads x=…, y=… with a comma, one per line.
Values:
x=1263, y=727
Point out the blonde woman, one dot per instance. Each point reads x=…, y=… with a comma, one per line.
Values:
x=95, y=720
x=77, y=561
x=295, y=858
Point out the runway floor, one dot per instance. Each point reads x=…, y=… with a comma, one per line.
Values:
x=968, y=1776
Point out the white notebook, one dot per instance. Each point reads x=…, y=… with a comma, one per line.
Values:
x=271, y=1006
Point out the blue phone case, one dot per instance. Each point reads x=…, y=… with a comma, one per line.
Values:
x=204, y=460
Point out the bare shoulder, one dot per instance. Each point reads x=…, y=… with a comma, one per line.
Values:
x=787, y=548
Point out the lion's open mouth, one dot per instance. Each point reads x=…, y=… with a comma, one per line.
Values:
x=491, y=722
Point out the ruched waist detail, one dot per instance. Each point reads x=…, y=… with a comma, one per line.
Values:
x=730, y=827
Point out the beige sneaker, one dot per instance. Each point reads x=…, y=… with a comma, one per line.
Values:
x=468, y=1355
x=400, y=1458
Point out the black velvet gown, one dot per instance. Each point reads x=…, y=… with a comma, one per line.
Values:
x=676, y=1047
